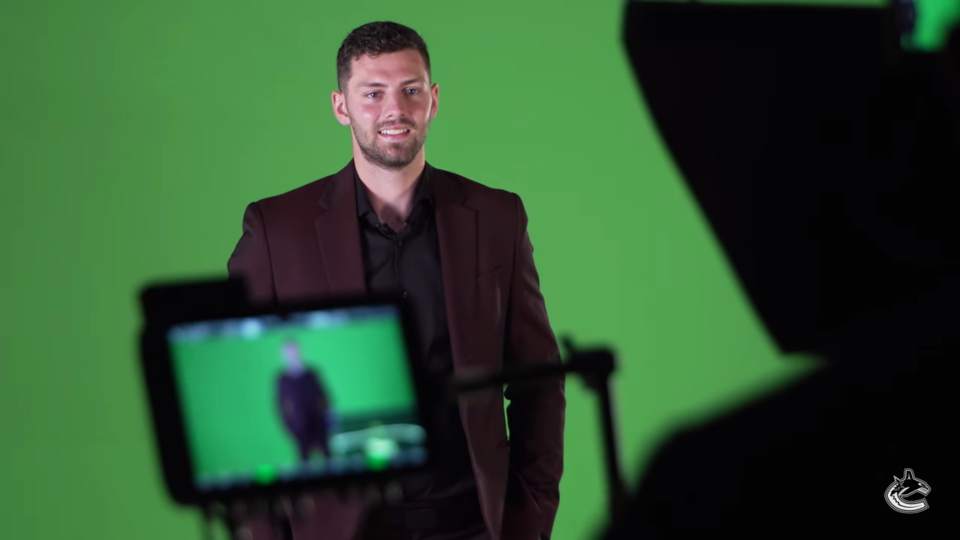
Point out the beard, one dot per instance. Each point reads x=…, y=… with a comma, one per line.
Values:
x=390, y=155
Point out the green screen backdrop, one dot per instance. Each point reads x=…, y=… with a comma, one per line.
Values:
x=134, y=134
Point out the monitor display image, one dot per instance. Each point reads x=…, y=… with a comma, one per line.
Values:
x=925, y=24
x=268, y=399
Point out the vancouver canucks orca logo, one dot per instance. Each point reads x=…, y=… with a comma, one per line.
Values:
x=908, y=495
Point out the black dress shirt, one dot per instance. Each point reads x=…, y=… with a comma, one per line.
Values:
x=408, y=263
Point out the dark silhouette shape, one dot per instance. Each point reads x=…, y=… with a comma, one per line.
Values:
x=304, y=404
x=823, y=159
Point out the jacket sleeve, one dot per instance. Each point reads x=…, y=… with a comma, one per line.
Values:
x=250, y=259
x=536, y=411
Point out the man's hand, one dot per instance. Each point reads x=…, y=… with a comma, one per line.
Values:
x=323, y=515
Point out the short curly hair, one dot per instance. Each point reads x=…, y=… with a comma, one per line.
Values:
x=375, y=38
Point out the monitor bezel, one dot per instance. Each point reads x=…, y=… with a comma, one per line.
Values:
x=169, y=424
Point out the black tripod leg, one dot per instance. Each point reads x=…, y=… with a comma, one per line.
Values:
x=618, y=491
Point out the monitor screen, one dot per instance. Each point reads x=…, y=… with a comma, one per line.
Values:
x=267, y=400
x=926, y=24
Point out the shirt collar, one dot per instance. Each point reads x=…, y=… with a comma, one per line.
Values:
x=423, y=194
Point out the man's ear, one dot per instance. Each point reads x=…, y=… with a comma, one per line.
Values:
x=435, y=90
x=339, y=103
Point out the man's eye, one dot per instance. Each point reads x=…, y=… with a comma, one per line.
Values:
x=371, y=94
x=414, y=90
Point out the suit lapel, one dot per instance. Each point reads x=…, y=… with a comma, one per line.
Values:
x=457, y=231
x=338, y=233
x=457, y=236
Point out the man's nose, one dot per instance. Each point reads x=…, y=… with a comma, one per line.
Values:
x=393, y=106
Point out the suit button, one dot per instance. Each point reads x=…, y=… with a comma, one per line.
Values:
x=405, y=295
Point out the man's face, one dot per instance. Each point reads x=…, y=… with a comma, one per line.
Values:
x=388, y=92
x=292, y=354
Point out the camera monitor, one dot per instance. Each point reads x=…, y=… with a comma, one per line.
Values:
x=263, y=403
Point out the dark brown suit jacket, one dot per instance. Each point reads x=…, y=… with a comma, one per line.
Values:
x=306, y=244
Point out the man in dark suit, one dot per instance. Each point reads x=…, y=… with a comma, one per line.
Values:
x=304, y=404
x=459, y=252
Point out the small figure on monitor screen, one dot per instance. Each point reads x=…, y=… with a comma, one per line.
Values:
x=304, y=403
x=908, y=19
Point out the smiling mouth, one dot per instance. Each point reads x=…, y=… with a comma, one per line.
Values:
x=394, y=132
